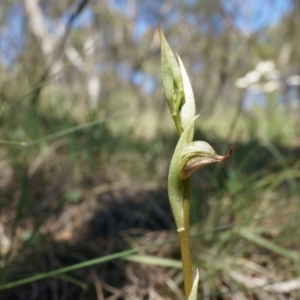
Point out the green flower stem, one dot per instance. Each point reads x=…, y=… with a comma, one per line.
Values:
x=186, y=202
x=177, y=122
x=184, y=239
x=175, y=113
x=178, y=102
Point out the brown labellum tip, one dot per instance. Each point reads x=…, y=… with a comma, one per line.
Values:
x=220, y=158
x=230, y=149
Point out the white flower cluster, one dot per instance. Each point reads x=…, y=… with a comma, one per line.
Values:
x=265, y=69
x=251, y=80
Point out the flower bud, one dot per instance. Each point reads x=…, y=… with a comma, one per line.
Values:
x=171, y=75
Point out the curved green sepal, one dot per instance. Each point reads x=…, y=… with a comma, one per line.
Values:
x=175, y=184
x=188, y=109
x=193, y=294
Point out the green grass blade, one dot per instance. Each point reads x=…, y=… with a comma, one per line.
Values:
x=289, y=254
x=68, y=269
x=153, y=260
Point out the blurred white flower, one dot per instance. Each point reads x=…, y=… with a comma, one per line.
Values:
x=264, y=67
x=254, y=81
x=271, y=86
x=256, y=88
x=241, y=83
x=273, y=74
x=293, y=80
x=252, y=77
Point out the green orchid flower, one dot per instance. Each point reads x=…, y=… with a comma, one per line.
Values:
x=188, y=156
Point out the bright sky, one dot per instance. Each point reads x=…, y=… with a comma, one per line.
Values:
x=256, y=14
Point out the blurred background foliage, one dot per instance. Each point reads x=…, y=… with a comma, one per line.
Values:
x=86, y=141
